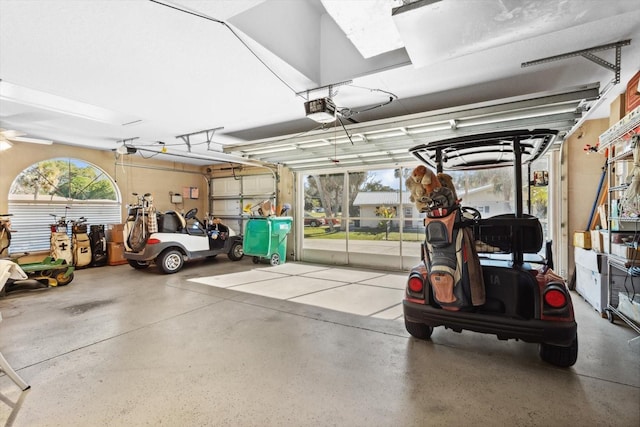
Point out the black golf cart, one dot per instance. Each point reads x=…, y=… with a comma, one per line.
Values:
x=489, y=275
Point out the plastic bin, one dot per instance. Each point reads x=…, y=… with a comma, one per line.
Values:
x=266, y=237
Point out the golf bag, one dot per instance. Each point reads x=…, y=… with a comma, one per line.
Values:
x=81, y=245
x=452, y=263
x=98, y=241
x=5, y=234
x=141, y=222
x=61, y=246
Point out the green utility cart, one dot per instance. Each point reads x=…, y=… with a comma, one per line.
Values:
x=266, y=237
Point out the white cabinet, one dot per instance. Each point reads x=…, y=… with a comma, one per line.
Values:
x=591, y=277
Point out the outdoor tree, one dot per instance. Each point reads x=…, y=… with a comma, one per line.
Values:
x=64, y=178
x=375, y=186
x=386, y=212
x=502, y=181
x=328, y=190
x=41, y=178
x=539, y=201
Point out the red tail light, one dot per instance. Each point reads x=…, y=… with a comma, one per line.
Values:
x=153, y=241
x=555, y=298
x=415, y=284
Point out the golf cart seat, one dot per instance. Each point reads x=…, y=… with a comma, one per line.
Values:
x=172, y=222
x=509, y=234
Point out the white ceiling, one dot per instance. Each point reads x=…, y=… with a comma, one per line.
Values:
x=94, y=73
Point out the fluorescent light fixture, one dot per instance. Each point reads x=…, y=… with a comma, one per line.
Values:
x=33, y=140
x=271, y=150
x=315, y=144
x=4, y=145
x=58, y=104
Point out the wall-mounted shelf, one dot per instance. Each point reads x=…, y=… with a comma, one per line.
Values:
x=620, y=129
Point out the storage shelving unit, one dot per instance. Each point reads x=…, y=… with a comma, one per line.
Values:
x=616, y=142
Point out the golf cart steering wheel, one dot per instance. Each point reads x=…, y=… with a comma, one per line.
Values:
x=471, y=213
x=191, y=213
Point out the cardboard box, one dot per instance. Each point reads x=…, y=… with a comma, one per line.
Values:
x=582, y=239
x=597, y=241
x=617, y=109
x=604, y=218
x=624, y=251
x=115, y=233
x=115, y=253
x=605, y=241
x=632, y=94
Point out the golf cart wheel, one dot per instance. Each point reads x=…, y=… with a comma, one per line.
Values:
x=61, y=278
x=138, y=265
x=560, y=356
x=236, y=252
x=275, y=259
x=170, y=261
x=418, y=330
x=256, y=260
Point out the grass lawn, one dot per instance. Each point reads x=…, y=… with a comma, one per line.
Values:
x=325, y=233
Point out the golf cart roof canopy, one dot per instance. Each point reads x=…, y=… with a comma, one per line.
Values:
x=487, y=150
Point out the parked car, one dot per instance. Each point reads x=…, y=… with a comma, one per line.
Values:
x=180, y=239
x=521, y=298
x=313, y=221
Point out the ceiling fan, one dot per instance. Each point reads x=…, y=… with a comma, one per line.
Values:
x=7, y=136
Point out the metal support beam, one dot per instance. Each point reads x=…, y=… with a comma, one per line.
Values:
x=209, y=134
x=588, y=54
x=328, y=87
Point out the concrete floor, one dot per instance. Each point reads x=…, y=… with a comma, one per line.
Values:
x=221, y=345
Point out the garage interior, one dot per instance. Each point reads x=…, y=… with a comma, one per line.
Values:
x=163, y=96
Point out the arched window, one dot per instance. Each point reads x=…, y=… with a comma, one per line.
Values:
x=65, y=180
x=61, y=187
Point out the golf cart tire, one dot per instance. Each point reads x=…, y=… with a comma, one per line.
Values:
x=236, y=252
x=138, y=265
x=418, y=330
x=563, y=357
x=60, y=277
x=170, y=261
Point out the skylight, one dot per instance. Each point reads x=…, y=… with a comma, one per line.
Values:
x=368, y=24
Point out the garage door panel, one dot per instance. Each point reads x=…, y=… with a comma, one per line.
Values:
x=222, y=187
x=226, y=207
x=257, y=184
